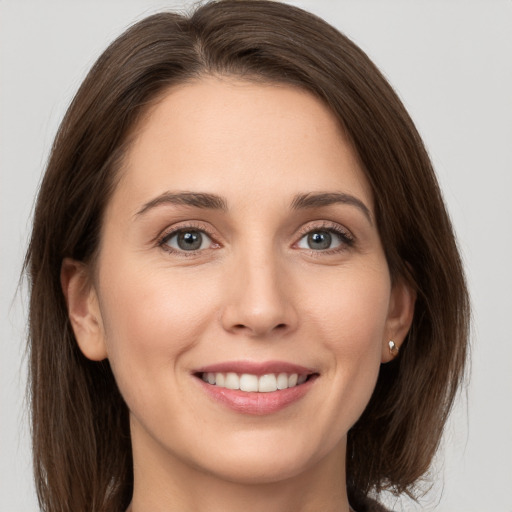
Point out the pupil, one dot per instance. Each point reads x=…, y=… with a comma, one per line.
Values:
x=189, y=240
x=319, y=240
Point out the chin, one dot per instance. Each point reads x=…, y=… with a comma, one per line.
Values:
x=256, y=469
x=264, y=459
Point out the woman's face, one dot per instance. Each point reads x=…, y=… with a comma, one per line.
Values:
x=241, y=246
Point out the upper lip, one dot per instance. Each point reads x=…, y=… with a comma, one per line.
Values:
x=255, y=368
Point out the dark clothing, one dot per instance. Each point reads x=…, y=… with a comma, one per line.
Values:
x=361, y=503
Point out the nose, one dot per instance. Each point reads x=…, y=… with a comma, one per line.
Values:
x=258, y=303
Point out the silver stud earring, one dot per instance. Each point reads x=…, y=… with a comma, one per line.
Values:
x=393, y=349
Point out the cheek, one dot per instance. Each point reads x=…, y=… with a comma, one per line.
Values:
x=151, y=316
x=349, y=318
x=351, y=308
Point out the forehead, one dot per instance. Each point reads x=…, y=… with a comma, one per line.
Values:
x=229, y=136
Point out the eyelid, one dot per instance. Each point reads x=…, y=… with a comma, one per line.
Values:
x=169, y=232
x=326, y=225
x=348, y=239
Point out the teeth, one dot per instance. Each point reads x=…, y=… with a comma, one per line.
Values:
x=248, y=382
x=232, y=381
x=292, y=380
x=268, y=383
x=252, y=383
x=220, y=380
x=282, y=381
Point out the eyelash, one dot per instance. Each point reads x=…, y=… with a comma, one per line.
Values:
x=347, y=239
x=190, y=226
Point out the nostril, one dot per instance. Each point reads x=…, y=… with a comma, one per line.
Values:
x=242, y=327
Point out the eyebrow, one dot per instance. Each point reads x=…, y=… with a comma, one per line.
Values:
x=216, y=202
x=319, y=199
x=195, y=199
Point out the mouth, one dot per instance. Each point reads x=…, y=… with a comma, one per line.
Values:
x=251, y=383
x=256, y=388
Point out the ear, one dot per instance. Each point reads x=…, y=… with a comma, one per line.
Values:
x=400, y=315
x=83, y=309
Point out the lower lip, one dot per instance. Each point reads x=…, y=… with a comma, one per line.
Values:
x=257, y=403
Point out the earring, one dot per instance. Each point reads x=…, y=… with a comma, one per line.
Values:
x=393, y=349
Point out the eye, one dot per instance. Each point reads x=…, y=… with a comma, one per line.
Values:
x=324, y=239
x=187, y=240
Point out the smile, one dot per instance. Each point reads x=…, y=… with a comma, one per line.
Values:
x=253, y=383
x=256, y=388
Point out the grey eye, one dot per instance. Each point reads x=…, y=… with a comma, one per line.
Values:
x=320, y=240
x=189, y=240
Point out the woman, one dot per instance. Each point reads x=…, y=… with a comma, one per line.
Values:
x=246, y=292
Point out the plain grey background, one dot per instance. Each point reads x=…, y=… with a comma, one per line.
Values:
x=451, y=63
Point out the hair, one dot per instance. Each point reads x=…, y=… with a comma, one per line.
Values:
x=80, y=428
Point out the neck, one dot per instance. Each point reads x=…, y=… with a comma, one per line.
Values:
x=166, y=484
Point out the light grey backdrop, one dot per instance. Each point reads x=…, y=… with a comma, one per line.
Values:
x=451, y=63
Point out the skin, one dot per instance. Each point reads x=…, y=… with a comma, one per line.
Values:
x=255, y=292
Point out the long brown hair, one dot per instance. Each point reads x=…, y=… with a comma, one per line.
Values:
x=81, y=439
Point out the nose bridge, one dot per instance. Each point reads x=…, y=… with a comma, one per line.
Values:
x=259, y=301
